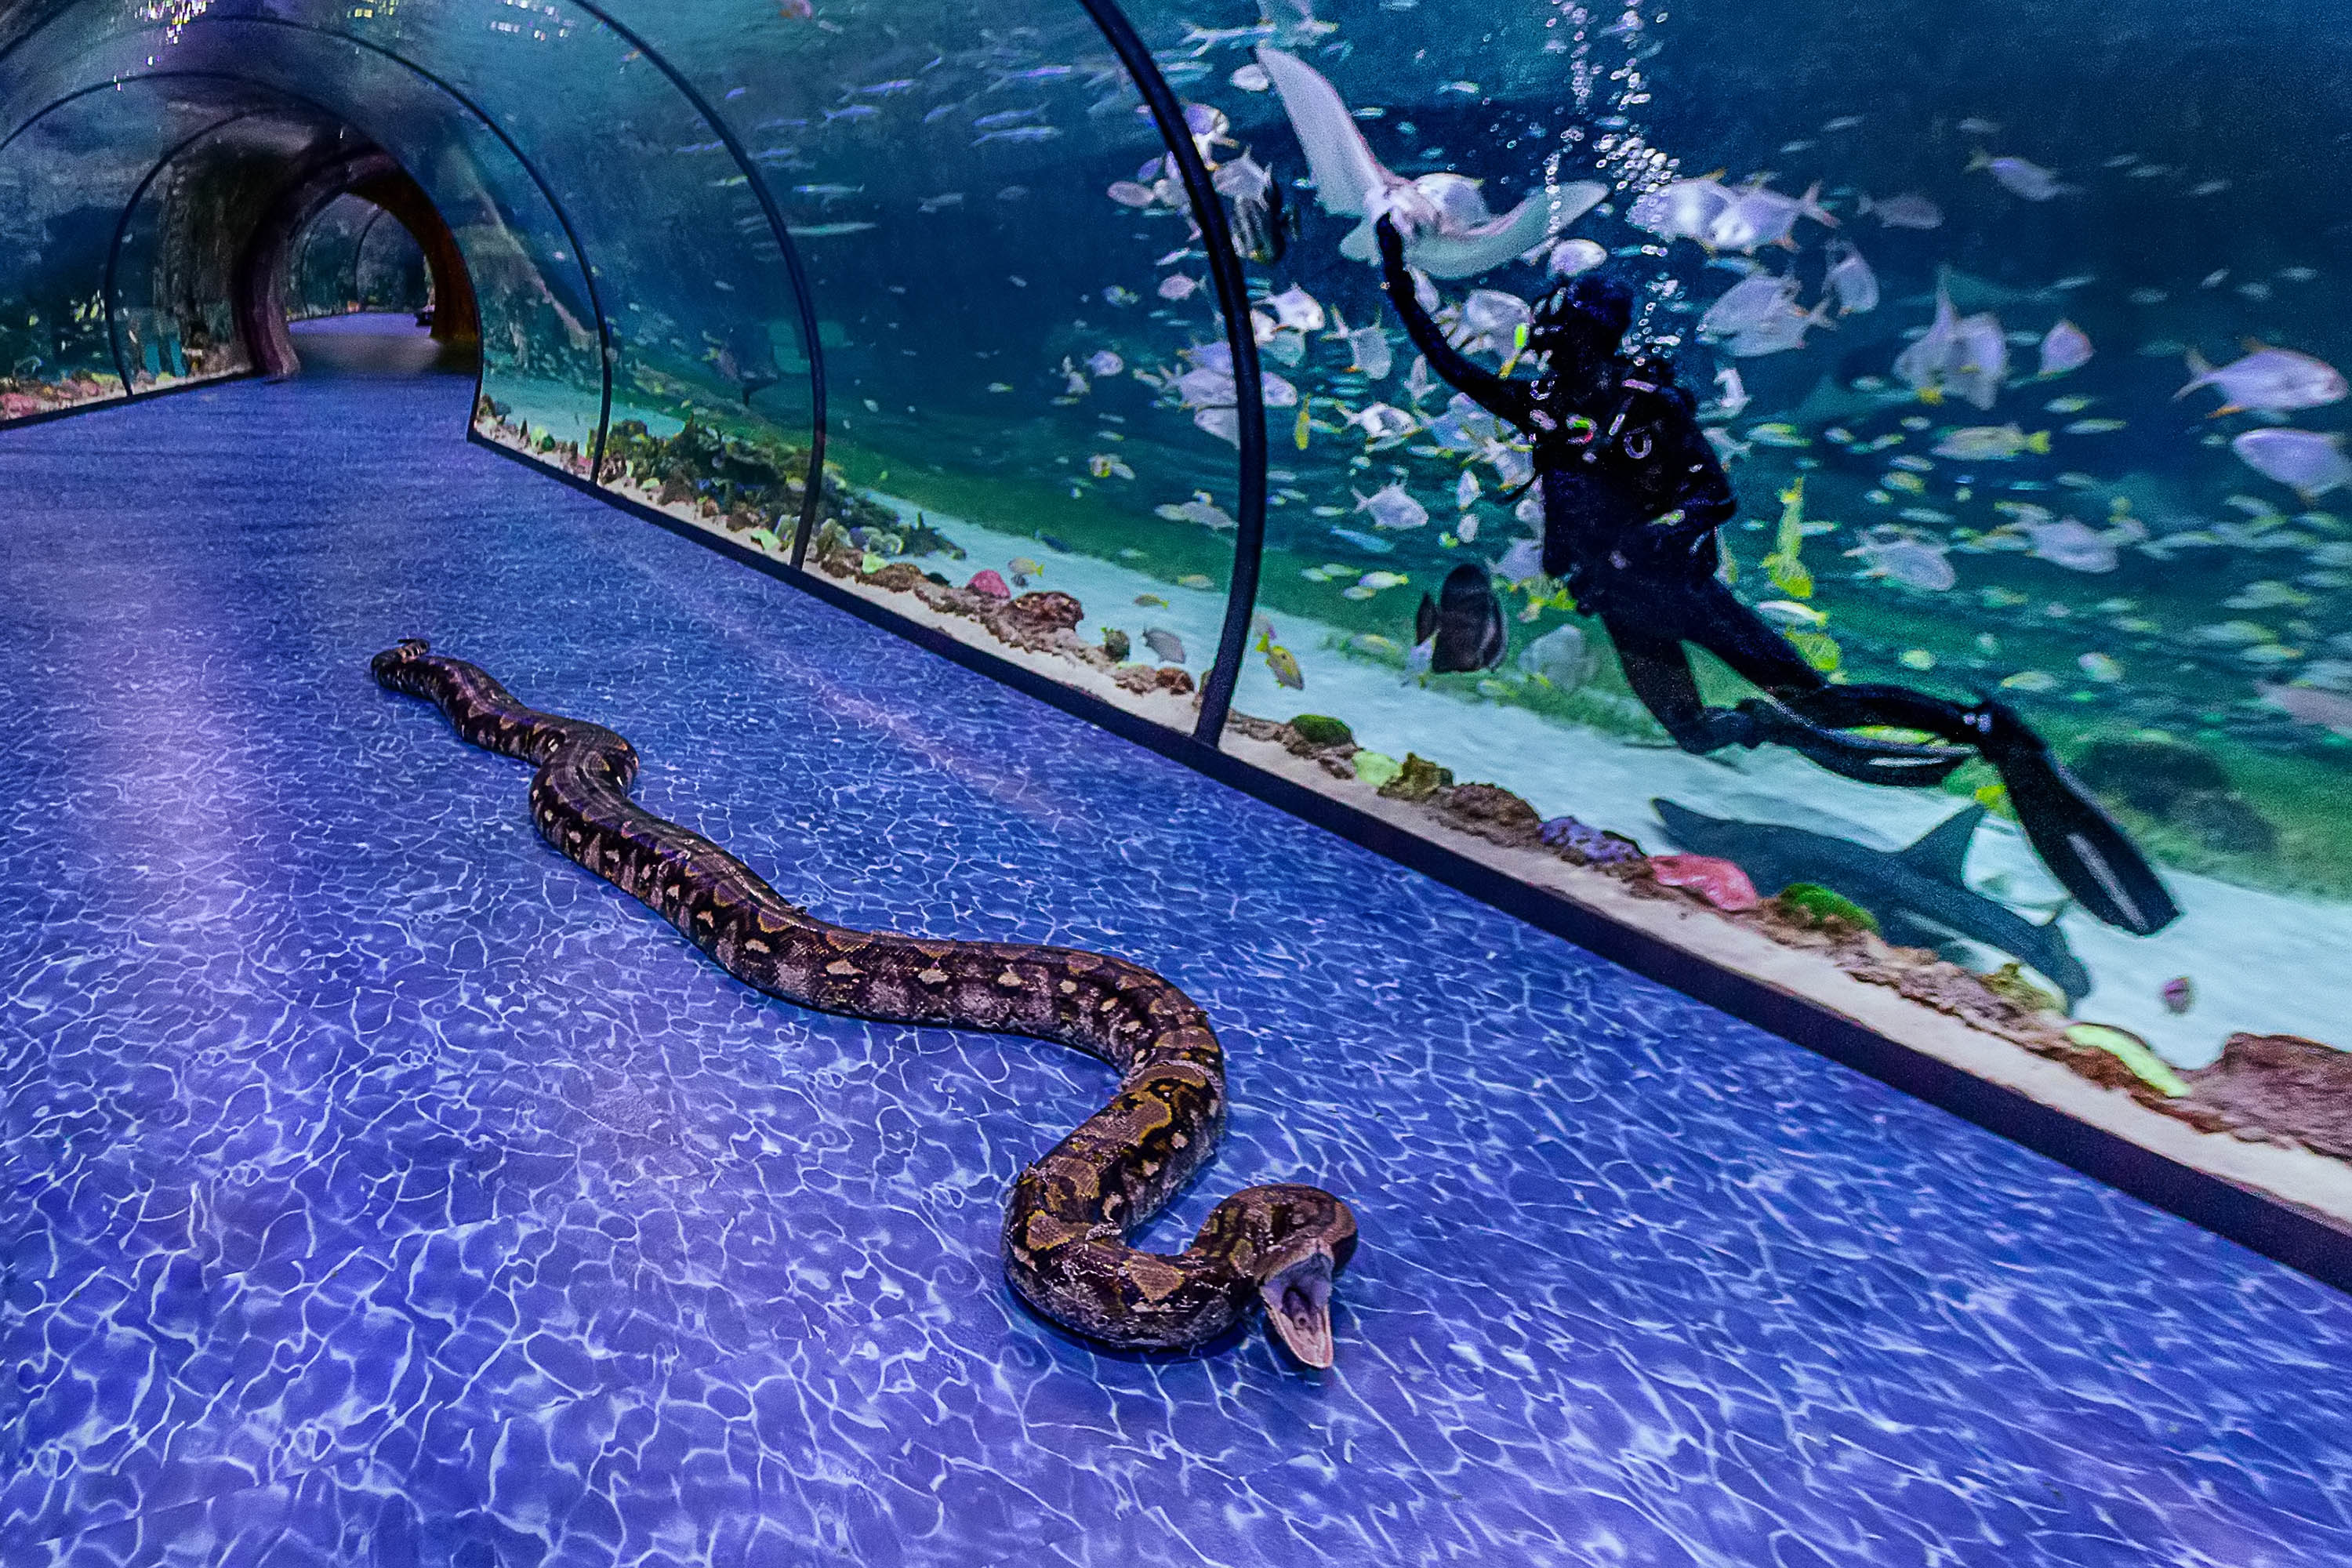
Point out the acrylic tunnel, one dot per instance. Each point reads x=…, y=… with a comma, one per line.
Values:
x=1275, y=781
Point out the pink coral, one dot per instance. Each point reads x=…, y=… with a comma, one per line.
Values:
x=990, y=584
x=1720, y=882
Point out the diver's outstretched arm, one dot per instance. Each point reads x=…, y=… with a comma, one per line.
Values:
x=1503, y=398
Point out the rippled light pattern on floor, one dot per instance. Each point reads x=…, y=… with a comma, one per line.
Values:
x=385, y=1190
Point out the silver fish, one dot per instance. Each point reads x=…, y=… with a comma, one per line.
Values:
x=2268, y=380
x=2313, y=464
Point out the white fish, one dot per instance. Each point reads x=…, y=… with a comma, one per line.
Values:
x=1206, y=386
x=1251, y=79
x=2311, y=705
x=2312, y=463
x=1990, y=443
x=1278, y=393
x=1967, y=356
x=1905, y=558
x=1225, y=424
x=1447, y=230
x=1383, y=422
x=2076, y=546
x=1561, y=656
x=2021, y=178
x=1750, y=302
x=1493, y=320
x=1685, y=209
x=1373, y=356
x=1177, y=286
x=1922, y=365
x=1760, y=216
x=1570, y=256
x=1295, y=310
x=1465, y=493
x=1200, y=510
x=1103, y=363
x=1731, y=394
x=1128, y=194
x=1391, y=508
x=1777, y=335
x=1981, y=359
x=2064, y=347
x=1906, y=211
x=2268, y=380
x=1849, y=281
x=1522, y=561
x=1418, y=381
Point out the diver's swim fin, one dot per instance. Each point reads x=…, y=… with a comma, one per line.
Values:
x=2083, y=845
x=1890, y=762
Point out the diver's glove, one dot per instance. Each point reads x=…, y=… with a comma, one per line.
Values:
x=1893, y=762
x=2084, y=848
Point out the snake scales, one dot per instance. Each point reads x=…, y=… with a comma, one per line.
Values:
x=1064, y=1244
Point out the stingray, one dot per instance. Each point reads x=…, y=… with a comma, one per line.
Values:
x=1448, y=231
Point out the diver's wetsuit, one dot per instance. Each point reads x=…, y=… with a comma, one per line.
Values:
x=1632, y=496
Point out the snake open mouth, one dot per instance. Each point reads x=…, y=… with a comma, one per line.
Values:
x=1298, y=1298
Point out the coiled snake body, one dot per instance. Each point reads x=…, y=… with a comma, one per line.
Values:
x=1064, y=1244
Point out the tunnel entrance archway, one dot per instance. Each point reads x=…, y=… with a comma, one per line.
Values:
x=264, y=268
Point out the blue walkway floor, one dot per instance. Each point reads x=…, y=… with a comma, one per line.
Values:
x=383, y=1189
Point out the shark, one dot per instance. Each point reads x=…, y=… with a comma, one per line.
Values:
x=1917, y=894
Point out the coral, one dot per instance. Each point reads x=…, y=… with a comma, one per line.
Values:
x=2010, y=983
x=2275, y=1089
x=1810, y=903
x=1049, y=611
x=1317, y=730
x=1417, y=778
x=1720, y=882
x=2132, y=1052
x=1492, y=813
x=1584, y=844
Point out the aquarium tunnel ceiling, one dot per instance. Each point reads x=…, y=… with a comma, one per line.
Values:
x=652, y=204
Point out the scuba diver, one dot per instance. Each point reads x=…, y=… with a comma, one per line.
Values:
x=1632, y=496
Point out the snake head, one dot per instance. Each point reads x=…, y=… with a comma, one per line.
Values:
x=1296, y=1290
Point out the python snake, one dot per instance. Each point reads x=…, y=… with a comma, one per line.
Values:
x=1064, y=1245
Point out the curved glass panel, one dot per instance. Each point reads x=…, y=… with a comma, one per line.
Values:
x=710, y=416
x=1003, y=360
x=65, y=179
x=389, y=269
x=541, y=378
x=322, y=272
x=354, y=256
x=175, y=317
x=2006, y=504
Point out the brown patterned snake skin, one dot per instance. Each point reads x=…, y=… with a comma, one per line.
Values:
x=1065, y=1228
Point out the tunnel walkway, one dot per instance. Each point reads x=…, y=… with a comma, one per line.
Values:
x=388, y=1190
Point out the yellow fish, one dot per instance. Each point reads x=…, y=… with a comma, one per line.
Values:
x=1298, y=432
x=1151, y=601
x=1286, y=668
